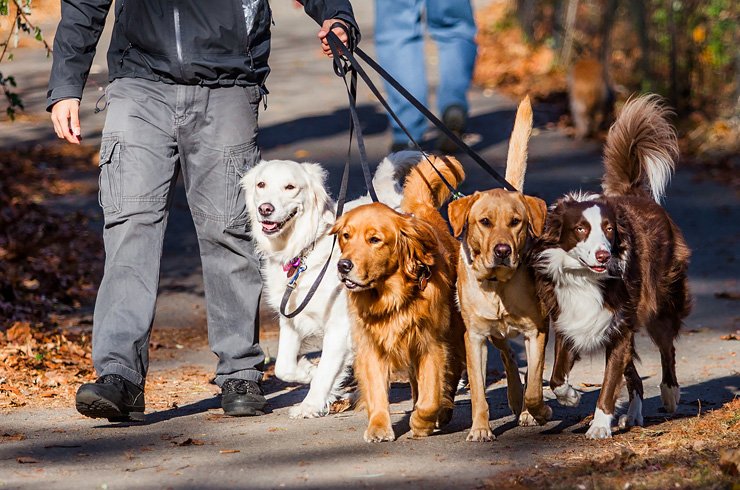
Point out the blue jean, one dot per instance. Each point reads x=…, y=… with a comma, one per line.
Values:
x=399, y=44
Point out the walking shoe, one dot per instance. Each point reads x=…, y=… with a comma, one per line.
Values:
x=242, y=397
x=111, y=397
x=455, y=118
x=397, y=146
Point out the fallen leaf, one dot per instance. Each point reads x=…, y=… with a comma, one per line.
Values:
x=731, y=336
x=26, y=460
x=190, y=442
x=14, y=437
x=229, y=451
x=590, y=385
x=340, y=406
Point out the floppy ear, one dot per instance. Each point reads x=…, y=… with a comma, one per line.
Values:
x=338, y=225
x=417, y=244
x=537, y=210
x=458, y=212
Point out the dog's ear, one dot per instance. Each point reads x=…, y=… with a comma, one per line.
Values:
x=316, y=177
x=537, y=211
x=458, y=211
x=338, y=225
x=417, y=244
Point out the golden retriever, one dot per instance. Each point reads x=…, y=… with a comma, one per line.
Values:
x=399, y=271
x=495, y=285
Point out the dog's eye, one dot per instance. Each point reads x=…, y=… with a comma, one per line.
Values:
x=260, y=185
x=289, y=187
x=345, y=235
x=609, y=228
x=485, y=222
x=374, y=240
x=580, y=229
x=514, y=222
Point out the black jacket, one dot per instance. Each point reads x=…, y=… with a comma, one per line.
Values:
x=193, y=42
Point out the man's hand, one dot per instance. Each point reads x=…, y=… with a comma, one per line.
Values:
x=341, y=34
x=65, y=115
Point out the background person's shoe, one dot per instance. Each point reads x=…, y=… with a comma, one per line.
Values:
x=242, y=397
x=397, y=146
x=111, y=397
x=456, y=119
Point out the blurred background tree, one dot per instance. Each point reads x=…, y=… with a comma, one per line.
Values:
x=18, y=12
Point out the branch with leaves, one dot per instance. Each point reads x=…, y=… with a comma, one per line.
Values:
x=19, y=24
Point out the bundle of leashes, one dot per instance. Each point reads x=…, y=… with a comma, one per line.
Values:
x=346, y=66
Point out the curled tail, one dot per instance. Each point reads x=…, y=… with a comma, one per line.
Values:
x=640, y=151
x=424, y=188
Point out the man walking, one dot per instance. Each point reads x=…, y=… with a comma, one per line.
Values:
x=186, y=81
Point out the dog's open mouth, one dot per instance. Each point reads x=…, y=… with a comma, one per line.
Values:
x=351, y=285
x=599, y=269
x=272, y=227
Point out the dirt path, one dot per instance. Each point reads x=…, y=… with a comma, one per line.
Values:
x=186, y=441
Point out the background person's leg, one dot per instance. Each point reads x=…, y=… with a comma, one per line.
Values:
x=217, y=136
x=452, y=26
x=399, y=45
x=138, y=168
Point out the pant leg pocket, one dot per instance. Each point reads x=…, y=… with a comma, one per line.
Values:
x=110, y=180
x=239, y=159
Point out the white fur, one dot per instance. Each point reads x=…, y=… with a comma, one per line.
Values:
x=601, y=425
x=659, y=168
x=583, y=318
x=324, y=323
x=670, y=395
x=567, y=396
x=633, y=416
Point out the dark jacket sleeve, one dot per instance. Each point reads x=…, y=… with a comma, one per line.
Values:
x=74, y=47
x=321, y=10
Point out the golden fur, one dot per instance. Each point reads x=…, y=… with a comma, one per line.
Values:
x=589, y=95
x=401, y=295
x=496, y=291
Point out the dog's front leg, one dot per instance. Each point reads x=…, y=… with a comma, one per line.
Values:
x=476, y=353
x=334, y=353
x=372, y=376
x=514, y=389
x=535, y=411
x=618, y=357
x=565, y=358
x=289, y=345
x=430, y=370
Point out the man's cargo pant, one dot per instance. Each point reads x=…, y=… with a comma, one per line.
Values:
x=154, y=130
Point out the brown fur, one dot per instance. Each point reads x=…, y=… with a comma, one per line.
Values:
x=589, y=95
x=497, y=295
x=401, y=321
x=648, y=287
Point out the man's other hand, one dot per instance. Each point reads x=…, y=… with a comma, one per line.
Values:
x=341, y=34
x=65, y=115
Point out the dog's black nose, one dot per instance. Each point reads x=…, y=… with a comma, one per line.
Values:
x=502, y=250
x=266, y=209
x=602, y=256
x=344, y=266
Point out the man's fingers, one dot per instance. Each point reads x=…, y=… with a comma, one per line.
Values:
x=74, y=123
x=57, y=127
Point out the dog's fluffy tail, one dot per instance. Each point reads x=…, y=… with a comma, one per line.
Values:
x=516, y=162
x=424, y=188
x=640, y=151
x=390, y=176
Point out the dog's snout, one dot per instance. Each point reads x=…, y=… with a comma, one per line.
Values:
x=266, y=209
x=502, y=250
x=344, y=266
x=602, y=256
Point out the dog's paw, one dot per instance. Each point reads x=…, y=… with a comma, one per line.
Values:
x=304, y=371
x=526, y=419
x=480, y=435
x=633, y=417
x=307, y=411
x=601, y=426
x=670, y=395
x=379, y=434
x=541, y=415
x=566, y=395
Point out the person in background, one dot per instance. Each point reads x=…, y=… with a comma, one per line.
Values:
x=399, y=42
x=186, y=82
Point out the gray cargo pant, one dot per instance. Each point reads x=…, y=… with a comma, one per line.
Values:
x=152, y=132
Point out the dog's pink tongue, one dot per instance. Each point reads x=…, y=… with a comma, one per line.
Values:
x=269, y=225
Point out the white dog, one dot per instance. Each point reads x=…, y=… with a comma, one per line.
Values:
x=291, y=213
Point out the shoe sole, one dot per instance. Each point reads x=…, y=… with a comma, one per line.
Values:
x=97, y=407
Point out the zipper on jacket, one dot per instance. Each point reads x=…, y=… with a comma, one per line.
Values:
x=178, y=39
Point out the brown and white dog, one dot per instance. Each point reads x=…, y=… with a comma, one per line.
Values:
x=399, y=272
x=496, y=288
x=613, y=263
